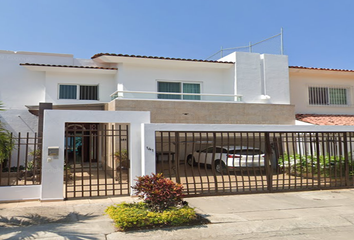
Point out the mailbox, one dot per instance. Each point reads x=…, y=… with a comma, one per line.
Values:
x=53, y=151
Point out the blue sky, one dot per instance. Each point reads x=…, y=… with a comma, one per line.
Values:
x=317, y=33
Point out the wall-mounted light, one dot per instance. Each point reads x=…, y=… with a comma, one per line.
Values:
x=265, y=97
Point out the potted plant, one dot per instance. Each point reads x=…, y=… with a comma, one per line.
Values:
x=67, y=172
x=32, y=169
x=122, y=159
x=122, y=162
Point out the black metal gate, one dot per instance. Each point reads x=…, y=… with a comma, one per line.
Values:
x=96, y=160
x=209, y=163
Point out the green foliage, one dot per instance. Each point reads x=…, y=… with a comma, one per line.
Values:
x=325, y=165
x=6, y=142
x=36, y=161
x=37, y=154
x=158, y=193
x=122, y=154
x=137, y=215
x=13, y=169
x=122, y=158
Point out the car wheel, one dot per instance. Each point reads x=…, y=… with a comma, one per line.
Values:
x=191, y=160
x=220, y=166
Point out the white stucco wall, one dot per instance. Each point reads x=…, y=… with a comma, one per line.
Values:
x=251, y=75
x=301, y=79
x=20, y=193
x=21, y=86
x=53, y=135
x=134, y=77
x=276, y=78
x=106, y=86
x=260, y=78
x=52, y=186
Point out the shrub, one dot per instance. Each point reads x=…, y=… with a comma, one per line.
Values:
x=137, y=215
x=326, y=165
x=158, y=193
x=6, y=144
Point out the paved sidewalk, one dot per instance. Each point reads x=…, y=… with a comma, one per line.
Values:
x=300, y=215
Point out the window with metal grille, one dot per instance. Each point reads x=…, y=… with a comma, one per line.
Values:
x=81, y=92
x=328, y=96
x=88, y=92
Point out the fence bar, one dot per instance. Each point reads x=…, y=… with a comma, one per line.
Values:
x=268, y=154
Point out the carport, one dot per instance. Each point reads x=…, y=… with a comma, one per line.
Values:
x=291, y=158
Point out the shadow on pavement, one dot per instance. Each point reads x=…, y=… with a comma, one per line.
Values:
x=31, y=225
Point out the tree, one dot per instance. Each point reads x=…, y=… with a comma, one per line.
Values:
x=6, y=143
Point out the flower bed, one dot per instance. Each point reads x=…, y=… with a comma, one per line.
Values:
x=132, y=216
x=162, y=206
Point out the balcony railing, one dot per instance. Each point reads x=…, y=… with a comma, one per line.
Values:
x=176, y=96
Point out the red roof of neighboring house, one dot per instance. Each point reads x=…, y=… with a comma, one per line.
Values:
x=67, y=66
x=322, y=119
x=152, y=57
x=327, y=69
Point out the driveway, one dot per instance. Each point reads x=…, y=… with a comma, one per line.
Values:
x=297, y=215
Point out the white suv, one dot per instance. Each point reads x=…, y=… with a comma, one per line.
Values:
x=230, y=156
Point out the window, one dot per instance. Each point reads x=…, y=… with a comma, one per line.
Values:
x=81, y=92
x=178, y=87
x=328, y=96
x=67, y=92
x=88, y=93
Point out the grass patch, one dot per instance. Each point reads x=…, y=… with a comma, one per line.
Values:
x=133, y=216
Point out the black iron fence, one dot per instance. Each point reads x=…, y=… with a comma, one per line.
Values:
x=23, y=166
x=245, y=162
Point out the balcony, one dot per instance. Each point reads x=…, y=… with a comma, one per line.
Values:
x=163, y=96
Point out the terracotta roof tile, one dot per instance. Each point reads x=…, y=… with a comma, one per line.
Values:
x=67, y=66
x=154, y=57
x=323, y=119
x=326, y=69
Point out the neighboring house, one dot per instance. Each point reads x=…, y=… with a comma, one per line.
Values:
x=322, y=96
x=239, y=88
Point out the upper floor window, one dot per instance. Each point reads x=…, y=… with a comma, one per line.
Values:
x=328, y=96
x=178, y=87
x=81, y=92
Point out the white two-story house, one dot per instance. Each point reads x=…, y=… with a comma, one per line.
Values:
x=214, y=96
x=241, y=88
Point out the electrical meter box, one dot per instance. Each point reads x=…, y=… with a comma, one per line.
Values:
x=53, y=151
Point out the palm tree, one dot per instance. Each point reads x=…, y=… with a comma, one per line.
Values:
x=6, y=143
